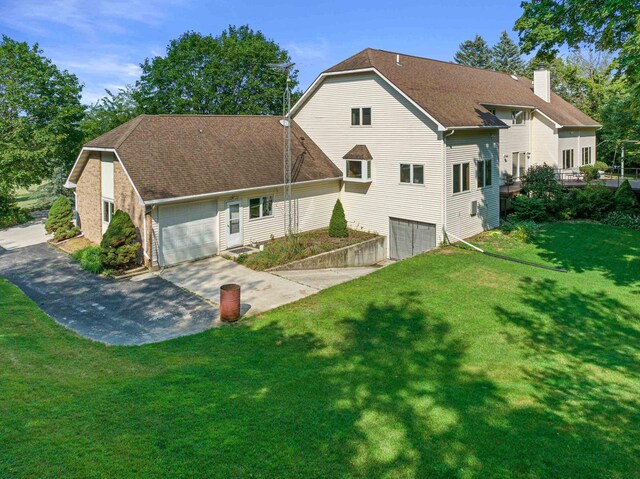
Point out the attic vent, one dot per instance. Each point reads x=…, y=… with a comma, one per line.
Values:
x=514, y=77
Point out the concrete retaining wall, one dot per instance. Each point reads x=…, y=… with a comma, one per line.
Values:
x=362, y=254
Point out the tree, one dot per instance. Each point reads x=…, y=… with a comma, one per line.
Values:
x=109, y=112
x=227, y=74
x=625, y=199
x=119, y=247
x=59, y=220
x=474, y=53
x=40, y=111
x=338, y=223
x=505, y=56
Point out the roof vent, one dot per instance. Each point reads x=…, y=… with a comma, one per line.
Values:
x=398, y=60
x=514, y=77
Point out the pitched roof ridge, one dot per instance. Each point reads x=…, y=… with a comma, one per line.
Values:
x=131, y=129
x=207, y=115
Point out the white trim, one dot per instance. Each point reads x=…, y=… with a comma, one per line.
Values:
x=503, y=105
x=478, y=127
x=555, y=123
x=205, y=196
x=322, y=76
x=240, y=223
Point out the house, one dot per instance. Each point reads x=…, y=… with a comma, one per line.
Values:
x=413, y=148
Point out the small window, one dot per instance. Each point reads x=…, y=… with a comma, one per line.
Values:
x=358, y=170
x=567, y=159
x=107, y=211
x=492, y=111
x=361, y=117
x=483, y=172
x=412, y=173
x=354, y=169
x=586, y=155
x=260, y=207
x=518, y=117
x=461, y=177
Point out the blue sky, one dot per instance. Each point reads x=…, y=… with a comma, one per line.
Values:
x=103, y=42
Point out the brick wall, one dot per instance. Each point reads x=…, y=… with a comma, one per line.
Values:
x=89, y=197
x=126, y=198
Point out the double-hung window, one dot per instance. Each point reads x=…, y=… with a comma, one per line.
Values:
x=412, y=173
x=518, y=117
x=461, y=177
x=567, y=159
x=107, y=210
x=261, y=207
x=361, y=116
x=586, y=155
x=483, y=173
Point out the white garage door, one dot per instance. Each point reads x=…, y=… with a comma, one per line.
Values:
x=188, y=231
x=409, y=238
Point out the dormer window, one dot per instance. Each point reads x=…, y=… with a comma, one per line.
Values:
x=518, y=117
x=361, y=116
x=358, y=164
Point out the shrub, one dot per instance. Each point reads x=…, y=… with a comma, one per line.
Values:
x=540, y=182
x=625, y=199
x=600, y=165
x=59, y=221
x=338, y=223
x=590, y=172
x=527, y=208
x=594, y=201
x=625, y=220
x=89, y=259
x=521, y=230
x=120, y=246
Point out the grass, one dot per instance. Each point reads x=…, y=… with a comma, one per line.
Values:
x=76, y=244
x=451, y=364
x=26, y=198
x=285, y=250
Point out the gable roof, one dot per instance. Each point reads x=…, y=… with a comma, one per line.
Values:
x=358, y=152
x=457, y=95
x=173, y=156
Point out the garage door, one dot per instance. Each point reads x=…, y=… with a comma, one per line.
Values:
x=409, y=238
x=188, y=231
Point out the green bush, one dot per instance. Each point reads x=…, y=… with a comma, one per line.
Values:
x=521, y=230
x=590, y=172
x=625, y=220
x=89, y=259
x=338, y=223
x=540, y=182
x=593, y=202
x=59, y=221
x=527, y=208
x=625, y=199
x=120, y=246
x=600, y=165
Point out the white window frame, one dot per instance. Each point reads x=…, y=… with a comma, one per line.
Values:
x=514, y=116
x=261, y=209
x=570, y=157
x=365, y=168
x=487, y=165
x=586, y=149
x=412, y=167
x=361, y=116
x=111, y=210
x=462, y=190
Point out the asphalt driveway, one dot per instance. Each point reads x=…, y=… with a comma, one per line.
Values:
x=127, y=312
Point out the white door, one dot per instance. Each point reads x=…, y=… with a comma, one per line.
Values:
x=234, y=225
x=188, y=231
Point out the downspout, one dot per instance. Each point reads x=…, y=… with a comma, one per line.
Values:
x=444, y=183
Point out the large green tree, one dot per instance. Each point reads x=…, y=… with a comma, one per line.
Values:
x=111, y=111
x=40, y=111
x=474, y=53
x=505, y=56
x=227, y=74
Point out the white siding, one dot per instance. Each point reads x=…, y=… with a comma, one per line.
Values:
x=399, y=133
x=512, y=139
x=468, y=147
x=312, y=206
x=544, y=142
x=106, y=166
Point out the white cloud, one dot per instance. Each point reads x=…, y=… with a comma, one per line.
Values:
x=305, y=52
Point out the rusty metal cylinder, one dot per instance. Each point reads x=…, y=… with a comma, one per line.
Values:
x=230, y=302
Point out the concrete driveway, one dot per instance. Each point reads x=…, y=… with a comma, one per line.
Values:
x=115, y=312
x=26, y=234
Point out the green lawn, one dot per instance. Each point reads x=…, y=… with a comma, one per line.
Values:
x=452, y=364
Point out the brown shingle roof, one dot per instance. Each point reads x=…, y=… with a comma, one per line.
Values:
x=170, y=156
x=358, y=152
x=455, y=94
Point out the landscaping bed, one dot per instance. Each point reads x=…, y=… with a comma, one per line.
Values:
x=281, y=251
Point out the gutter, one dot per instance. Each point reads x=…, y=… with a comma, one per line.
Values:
x=444, y=182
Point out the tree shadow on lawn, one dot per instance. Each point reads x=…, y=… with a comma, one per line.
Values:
x=583, y=246
x=395, y=395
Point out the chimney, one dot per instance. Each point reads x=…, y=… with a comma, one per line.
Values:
x=542, y=84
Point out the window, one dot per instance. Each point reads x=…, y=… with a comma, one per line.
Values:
x=518, y=164
x=360, y=116
x=412, y=173
x=518, y=117
x=567, y=159
x=107, y=211
x=483, y=171
x=492, y=111
x=460, y=177
x=354, y=169
x=260, y=207
x=586, y=155
x=358, y=170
